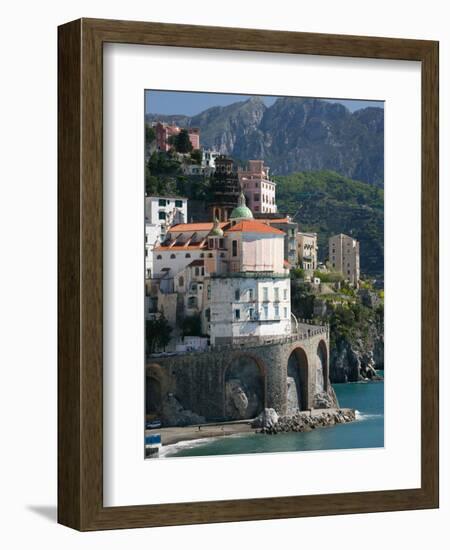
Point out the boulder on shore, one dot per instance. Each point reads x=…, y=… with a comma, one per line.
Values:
x=174, y=414
x=303, y=421
x=266, y=419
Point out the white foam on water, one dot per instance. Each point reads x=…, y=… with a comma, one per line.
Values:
x=363, y=416
x=169, y=450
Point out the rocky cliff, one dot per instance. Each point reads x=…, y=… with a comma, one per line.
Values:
x=351, y=361
x=356, y=354
x=356, y=328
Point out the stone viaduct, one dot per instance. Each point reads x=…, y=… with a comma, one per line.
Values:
x=199, y=380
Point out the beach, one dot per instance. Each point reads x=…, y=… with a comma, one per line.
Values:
x=178, y=434
x=173, y=435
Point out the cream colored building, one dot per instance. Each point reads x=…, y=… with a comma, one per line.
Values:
x=344, y=257
x=307, y=251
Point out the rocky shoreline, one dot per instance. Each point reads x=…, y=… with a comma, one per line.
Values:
x=302, y=421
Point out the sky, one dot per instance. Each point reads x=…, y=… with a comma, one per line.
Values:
x=192, y=103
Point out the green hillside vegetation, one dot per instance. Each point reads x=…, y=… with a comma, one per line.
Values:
x=328, y=203
x=164, y=176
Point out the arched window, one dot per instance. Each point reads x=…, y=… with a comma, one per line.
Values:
x=192, y=302
x=187, y=255
x=159, y=257
x=172, y=256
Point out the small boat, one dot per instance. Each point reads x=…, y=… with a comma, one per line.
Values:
x=152, y=424
x=152, y=445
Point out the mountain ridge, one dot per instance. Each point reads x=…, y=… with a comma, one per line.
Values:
x=294, y=135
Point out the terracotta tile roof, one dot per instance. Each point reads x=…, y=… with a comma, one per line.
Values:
x=253, y=226
x=201, y=246
x=191, y=227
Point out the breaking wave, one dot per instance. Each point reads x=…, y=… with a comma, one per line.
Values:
x=366, y=416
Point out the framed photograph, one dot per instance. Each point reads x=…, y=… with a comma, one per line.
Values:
x=248, y=274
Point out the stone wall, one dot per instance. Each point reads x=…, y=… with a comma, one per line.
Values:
x=198, y=379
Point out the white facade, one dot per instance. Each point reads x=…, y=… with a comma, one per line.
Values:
x=193, y=343
x=171, y=261
x=246, y=307
x=165, y=212
x=152, y=236
x=344, y=257
x=209, y=159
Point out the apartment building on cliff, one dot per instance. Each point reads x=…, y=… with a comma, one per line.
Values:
x=344, y=257
x=307, y=251
x=165, y=131
x=259, y=190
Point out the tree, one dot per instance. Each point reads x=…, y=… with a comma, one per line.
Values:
x=332, y=277
x=157, y=334
x=182, y=142
x=150, y=134
x=302, y=300
x=197, y=156
x=161, y=171
x=297, y=273
x=191, y=326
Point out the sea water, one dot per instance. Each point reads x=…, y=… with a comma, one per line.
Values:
x=367, y=398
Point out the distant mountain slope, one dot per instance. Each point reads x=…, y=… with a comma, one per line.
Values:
x=295, y=134
x=327, y=203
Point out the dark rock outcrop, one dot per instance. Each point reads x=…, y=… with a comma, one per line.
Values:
x=173, y=413
x=352, y=361
x=326, y=400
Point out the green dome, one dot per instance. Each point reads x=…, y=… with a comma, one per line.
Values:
x=241, y=212
x=216, y=231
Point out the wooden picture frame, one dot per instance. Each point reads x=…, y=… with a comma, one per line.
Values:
x=80, y=272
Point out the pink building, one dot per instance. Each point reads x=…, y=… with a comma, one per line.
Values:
x=258, y=189
x=164, y=131
x=255, y=246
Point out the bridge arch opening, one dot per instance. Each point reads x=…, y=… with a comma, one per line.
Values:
x=321, y=368
x=244, y=387
x=153, y=392
x=297, y=381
